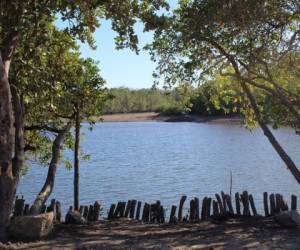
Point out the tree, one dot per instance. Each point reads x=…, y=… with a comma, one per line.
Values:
x=88, y=97
x=43, y=80
x=20, y=20
x=252, y=38
x=58, y=83
x=16, y=20
x=76, y=158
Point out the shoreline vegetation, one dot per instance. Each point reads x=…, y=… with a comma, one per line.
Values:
x=155, y=116
x=196, y=102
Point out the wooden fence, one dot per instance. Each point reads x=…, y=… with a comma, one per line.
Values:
x=218, y=207
x=22, y=209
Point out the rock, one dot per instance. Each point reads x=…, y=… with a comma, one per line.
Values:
x=32, y=227
x=288, y=218
x=74, y=217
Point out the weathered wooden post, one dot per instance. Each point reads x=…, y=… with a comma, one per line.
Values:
x=161, y=214
x=158, y=211
x=222, y=211
x=26, y=209
x=272, y=204
x=181, y=203
x=266, y=204
x=207, y=209
x=203, y=209
x=122, y=208
x=229, y=204
x=293, y=202
x=91, y=213
x=172, y=215
x=237, y=203
x=19, y=207
x=152, y=212
x=224, y=201
x=117, y=210
x=215, y=208
x=22, y=206
x=192, y=210
x=245, y=201
x=127, y=208
x=132, y=209
x=138, y=210
x=278, y=201
x=111, y=212
x=58, y=211
x=146, y=213
x=284, y=205
x=85, y=212
x=81, y=209
x=252, y=204
x=197, y=217
x=96, y=210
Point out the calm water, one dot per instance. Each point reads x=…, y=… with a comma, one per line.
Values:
x=156, y=160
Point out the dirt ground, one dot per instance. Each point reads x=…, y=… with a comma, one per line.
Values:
x=125, y=234
x=152, y=116
x=147, y=116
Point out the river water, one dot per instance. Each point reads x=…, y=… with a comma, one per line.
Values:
x=151, y=161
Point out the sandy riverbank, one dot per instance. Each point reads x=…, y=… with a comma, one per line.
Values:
x=152, y=116
x=248, y=233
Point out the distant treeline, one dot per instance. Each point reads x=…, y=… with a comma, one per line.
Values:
x=124, y=100
x=183, y=99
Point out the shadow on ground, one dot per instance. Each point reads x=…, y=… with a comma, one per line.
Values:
x=244, y=233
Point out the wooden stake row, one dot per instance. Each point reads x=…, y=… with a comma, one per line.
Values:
x=132, y=209
x=90, y=213
x=218, y=207
x=275, y=204
x=221, y=206
x=22, y=209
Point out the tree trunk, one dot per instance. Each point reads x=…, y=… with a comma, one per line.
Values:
x=18, y=159
x=267, y=132
x=49, y=183
x=76, y=160
x=7, y=181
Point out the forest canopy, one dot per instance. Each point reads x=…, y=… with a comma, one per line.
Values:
x=208, y=99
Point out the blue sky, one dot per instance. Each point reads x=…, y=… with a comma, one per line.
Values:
x=121, y=67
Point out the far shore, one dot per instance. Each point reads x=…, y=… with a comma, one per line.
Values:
x=153, y=116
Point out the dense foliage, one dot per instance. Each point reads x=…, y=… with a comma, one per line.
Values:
x=208, y=99
x=255, y=44
x=44, y=82
x=124, y=100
